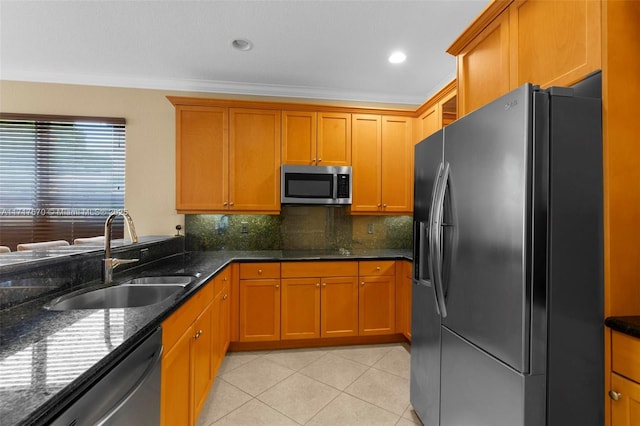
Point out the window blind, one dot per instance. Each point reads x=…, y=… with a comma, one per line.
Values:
x=60, y=177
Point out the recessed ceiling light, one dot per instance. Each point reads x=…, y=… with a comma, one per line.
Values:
x=242, y=44
x=397, y=57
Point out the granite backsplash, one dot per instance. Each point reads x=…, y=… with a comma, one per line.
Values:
x=298, y=228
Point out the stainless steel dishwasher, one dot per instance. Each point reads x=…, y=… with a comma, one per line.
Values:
x=129, y=394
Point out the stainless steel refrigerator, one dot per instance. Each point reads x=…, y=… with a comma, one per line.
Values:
x=507, y=310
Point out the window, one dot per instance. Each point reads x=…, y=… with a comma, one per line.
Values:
x=60, y=177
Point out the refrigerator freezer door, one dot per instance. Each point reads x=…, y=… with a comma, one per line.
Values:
x=486, y=289
x=425, y=319
x=479, y=390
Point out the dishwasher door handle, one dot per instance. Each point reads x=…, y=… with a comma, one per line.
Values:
x=155, y=360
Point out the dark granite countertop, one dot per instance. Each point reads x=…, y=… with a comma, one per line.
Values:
x=628, y=325
x=47, y=357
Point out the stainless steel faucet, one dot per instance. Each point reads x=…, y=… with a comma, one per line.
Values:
x=110, y=263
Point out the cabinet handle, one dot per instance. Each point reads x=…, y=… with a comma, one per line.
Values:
x=224, y=296
x=616, y=396
x=319, y=160
x=198, y=334
x=260, y=271
x=379, y=204
x=324, y=284
x=384, y=205
x=377, y=268
x=224, y=279
x=277, y=285
x=362, y=283
x=225, y=204
x=231, y=204
x=318, y=285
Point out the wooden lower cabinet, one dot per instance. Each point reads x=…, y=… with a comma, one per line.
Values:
x=377, y=297
x=176, y=391
x=319, y=307
x=259, y=310
x=201, y=350
x=624, y=392
x=625, y=411
x=300, y=308
x=339, y=307
x=187, y=372
x=403, y=298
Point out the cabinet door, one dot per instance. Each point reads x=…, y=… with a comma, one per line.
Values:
x=334, y=139
x=202, y=144
x=367, y=161
x=176, y=390
x=626, y=410
x=483, y=66
x=216, y=343
x=397, y=165
x=254, y=160
x=300, y=308
x=554, y=43
x=339, y=307
x=259, y=310
x=429, y=122
x=225, y=321
x=299, y=137
x=202, y=374
x=377, y=301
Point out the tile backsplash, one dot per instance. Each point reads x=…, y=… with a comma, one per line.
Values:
x=297, y=228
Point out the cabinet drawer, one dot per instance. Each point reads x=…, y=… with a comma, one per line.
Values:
x=376, y=268
x=626, y=353
x=175, y=326
x=253, y=271
x=319, y=269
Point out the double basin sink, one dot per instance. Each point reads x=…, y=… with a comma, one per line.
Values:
x=134, y=293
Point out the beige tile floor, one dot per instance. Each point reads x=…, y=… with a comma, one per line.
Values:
x=349, y=385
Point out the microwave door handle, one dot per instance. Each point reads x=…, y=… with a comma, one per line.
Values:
x=335, y=186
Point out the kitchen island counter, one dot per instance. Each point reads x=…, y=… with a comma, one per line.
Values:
x=47, y=357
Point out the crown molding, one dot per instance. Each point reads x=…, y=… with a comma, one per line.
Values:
x=214, y=86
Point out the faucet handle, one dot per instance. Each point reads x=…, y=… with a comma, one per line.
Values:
x=117, y=262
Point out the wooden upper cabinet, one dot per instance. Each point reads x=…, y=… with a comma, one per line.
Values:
x=316, y=138
x=428, y=122
x=547, y=43
x=254, y=160
x=202, y=155
x=438, y=111
x=397, y=165
x=554, y=43
x=334, y=139
x=483, y=66
x=299, y=141
x=367, y=161
x=382, y=164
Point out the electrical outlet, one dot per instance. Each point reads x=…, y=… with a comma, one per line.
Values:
x=370, y=228
x=244, y=227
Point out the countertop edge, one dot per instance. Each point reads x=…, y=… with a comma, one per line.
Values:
x=629, y=325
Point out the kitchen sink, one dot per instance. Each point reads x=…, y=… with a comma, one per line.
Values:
x=162, y=280
x=121, y=296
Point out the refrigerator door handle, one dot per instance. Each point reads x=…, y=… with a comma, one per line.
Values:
x=436, y=241
x=430, y=238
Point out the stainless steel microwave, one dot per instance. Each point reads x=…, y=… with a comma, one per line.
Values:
x=315, y=185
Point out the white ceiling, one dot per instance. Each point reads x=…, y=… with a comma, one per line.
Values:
x=322, y=49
